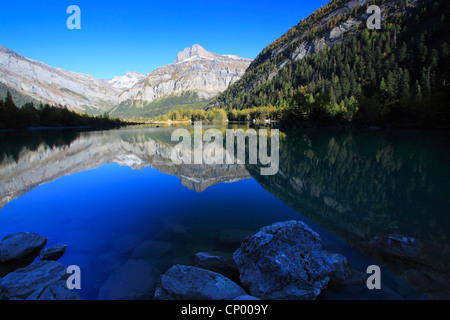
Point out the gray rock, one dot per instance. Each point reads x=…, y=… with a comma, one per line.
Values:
x=342, y=268
x=55, y=291
x=136, y=279
x=222, y=265
x=23, y=245
x=284, y=261
x=53, y=253
x=192, y=283
x=343, y=274
x=33, y=280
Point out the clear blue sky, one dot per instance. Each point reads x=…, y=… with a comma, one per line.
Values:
x=132, y=35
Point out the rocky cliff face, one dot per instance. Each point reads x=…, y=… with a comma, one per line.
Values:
x=332, y=36
x=195, y=70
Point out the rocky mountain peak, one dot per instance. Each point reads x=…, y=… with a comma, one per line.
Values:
x=195, y=50
x=127, y=81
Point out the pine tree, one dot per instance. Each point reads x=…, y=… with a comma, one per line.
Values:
x=404, y=85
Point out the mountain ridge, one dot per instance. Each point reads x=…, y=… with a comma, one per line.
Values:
x=85, y=93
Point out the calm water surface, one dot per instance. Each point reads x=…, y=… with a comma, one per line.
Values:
x=128, y=213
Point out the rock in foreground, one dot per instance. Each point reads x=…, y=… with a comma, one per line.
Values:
x=284, y=261
x=43, y=280
x=343, y=274
x=192, y=283
x=19, y=250
x=16, y=247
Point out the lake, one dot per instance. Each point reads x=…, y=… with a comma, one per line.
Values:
x=115, y=197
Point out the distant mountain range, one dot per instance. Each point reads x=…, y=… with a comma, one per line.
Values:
x=197, y=74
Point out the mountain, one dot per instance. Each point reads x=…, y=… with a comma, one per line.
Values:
x=55, y=86
x=201, y=73
x=196, y=73
x=332, y=68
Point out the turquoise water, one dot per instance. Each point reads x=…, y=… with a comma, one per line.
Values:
x=115, y=196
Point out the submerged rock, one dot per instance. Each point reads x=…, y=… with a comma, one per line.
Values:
x=284, y=261
x=398, y=245
x=192, y=283
x=40, y=280
x=126, y=243
x=222, y=265
x=179, y=229
x=136, y=279
x=53, y=253
x=151, y=249
x=233, y=236
x=425, y=264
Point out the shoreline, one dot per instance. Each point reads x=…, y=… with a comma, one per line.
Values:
x=35, y=129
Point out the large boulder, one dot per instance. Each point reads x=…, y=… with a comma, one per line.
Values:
x=19, y=250
x=40, y=280
x=284, y=261
x=192, y=283
x=219, y=264
x=21, y=245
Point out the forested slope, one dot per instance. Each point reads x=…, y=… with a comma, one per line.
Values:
x=332, y=68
